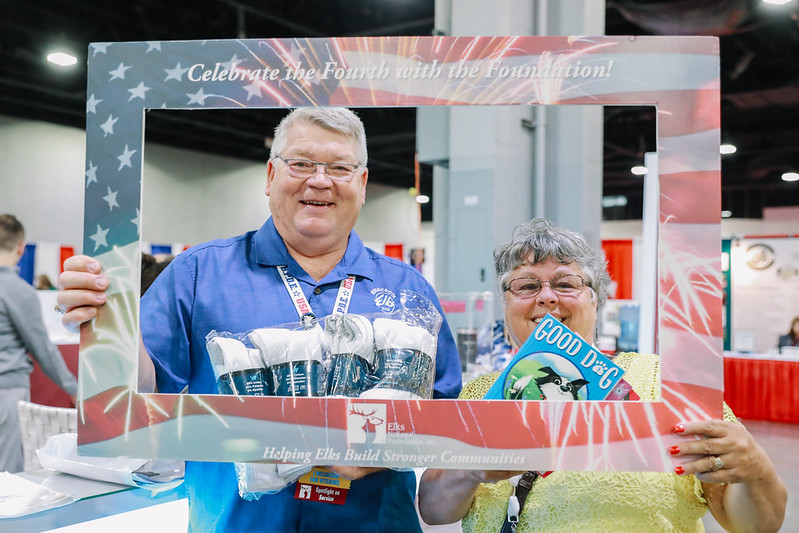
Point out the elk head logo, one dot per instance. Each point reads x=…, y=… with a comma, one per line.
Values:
x=366, y=422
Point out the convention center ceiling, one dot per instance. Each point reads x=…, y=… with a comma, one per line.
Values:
x=759, y=80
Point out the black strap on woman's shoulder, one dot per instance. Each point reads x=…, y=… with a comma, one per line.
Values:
x=525, y=484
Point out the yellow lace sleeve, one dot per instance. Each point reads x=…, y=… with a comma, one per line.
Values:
x=595, y=501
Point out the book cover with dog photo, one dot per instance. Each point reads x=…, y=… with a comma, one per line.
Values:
x=557, y=364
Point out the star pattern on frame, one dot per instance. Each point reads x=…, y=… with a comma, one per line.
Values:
x=137, y=221
x=91, y=104
x=198, y=97
x=119, y=72
x=233, y=63
x=175, y=73
x=138, y=91
x=91, y=174
x=99, y=238
x=108, y=125
x=111, y=199
x=124, y=158
x=99, y=48
x=253, y=89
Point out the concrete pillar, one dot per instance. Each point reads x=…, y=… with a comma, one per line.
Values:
x=498, y=166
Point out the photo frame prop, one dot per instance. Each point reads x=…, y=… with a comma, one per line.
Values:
x=677, y=75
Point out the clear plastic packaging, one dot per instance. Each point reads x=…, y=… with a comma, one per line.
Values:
x=381, y=355
x=352, y=354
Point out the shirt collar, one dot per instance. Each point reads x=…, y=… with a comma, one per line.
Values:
x=270, y=251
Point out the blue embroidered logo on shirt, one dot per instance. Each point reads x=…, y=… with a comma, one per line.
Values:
x=384, y=299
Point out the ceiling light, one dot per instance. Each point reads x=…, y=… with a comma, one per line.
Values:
x=776, y=2
x=422, y=199
x=727, y=149
x=61, y=58
x=614, y=201
x=726, y=214
x=639, y=170
x=790, y=176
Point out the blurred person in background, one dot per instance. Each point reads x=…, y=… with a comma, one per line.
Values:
x=43, y=283
x=22, y=332
x=150, y=268
x=792, y=337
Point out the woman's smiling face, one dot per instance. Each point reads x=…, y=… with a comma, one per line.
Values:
x=577, y=312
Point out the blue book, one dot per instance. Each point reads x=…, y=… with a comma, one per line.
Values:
x=557, y=364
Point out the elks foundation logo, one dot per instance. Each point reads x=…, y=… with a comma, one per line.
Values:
x=366, y=423
x=385, y=300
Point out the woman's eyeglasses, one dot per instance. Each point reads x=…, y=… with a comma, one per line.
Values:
x=563, y=285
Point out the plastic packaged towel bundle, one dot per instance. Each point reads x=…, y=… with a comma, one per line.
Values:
x=238, y=369
x=404, y=361
x=294, y=359
x=271, y=345
x=257, y=479
x=241, y=371
x=352, y=351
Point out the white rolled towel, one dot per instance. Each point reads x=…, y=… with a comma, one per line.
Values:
x=389, y=394
x=278, y=345
x=350, y=334
x=271, y=343
x=231, y=355
x=294, y=358
x=305, y=344
x=390, y=333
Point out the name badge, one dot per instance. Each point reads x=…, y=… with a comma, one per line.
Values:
x=322, y=485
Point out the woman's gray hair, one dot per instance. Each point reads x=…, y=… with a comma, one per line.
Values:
x=540, y=239
x=337, y=119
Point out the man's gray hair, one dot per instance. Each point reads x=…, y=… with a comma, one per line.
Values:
x=540, y=239
x=337, y=119
x=11, y=232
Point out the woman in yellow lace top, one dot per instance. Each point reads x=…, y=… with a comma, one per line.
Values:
x=546, y=269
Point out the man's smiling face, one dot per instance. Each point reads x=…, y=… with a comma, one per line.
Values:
x=317, y=211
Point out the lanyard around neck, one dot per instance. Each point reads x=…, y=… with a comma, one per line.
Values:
x=301, y=304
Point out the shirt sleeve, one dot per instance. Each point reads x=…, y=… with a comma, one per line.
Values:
x=26, y=315
x=165, y=325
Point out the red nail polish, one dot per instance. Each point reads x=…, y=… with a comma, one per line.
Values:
x=679, y=470
x=674, y=450
x=679, y=428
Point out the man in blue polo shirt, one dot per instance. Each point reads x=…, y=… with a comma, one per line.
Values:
x=316, y=186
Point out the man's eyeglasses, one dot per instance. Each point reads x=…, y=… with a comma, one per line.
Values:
x=563, y=285
x=304, y=169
